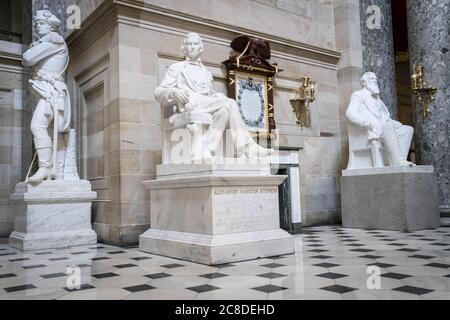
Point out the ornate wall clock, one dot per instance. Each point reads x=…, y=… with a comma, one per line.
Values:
x=250, y=83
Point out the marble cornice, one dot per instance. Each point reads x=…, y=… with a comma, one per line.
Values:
x=161, y=19
x=92, y=28
x=11, y=50
x=11, y=57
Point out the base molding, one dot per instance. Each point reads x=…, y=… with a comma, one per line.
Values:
x=119, y=235
x=217, y=249
x=52, y=214
x=7, y=217
x=47, y=240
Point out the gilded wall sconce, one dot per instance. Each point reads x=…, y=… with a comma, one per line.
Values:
x=305, y=95
x=425, y=95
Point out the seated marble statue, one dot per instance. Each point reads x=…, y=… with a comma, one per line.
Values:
x=188, y=87
x=369, y=116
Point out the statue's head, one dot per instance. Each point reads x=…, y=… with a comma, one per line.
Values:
x=369, y=81
x=192, y=46
x=45, y=22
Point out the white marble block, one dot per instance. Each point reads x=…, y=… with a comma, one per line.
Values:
x=53, y=214
x=215, y=214
x=390, y=198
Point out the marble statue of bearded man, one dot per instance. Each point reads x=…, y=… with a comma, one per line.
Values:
x=49, y=56
x=188, y=85
x=367, y=111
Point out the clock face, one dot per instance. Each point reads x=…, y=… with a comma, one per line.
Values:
x=251, y=99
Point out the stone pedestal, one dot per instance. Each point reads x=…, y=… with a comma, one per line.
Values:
x=215, y=214
x=390, y=198
x=52, y=214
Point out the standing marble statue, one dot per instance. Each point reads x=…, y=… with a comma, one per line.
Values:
x=49, y=56
x=51, y=213
x=188, y=87
x=370, y=125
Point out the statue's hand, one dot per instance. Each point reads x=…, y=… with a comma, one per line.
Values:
x=180, y=96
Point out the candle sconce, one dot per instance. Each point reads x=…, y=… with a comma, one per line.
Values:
x=425, y=95
x=305, y=95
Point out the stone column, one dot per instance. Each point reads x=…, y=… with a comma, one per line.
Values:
x=429, y=44
x=378, y=48
x=350, y=68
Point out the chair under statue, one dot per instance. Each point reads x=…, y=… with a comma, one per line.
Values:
x=172, y=124
x=364, y=153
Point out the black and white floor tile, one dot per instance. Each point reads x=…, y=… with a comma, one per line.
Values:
x=329, y=263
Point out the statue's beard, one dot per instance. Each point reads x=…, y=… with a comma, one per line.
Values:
x=374, y=90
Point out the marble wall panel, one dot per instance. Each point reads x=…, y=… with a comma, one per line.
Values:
x=140, y=47
x=308, y=21
x=349, y=71
x=13, y=139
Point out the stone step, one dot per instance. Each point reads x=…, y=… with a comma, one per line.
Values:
x=445, y=222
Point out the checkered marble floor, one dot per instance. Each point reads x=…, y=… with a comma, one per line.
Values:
x=329, y=263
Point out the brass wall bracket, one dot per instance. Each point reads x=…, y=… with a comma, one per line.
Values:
x=425, y=95
x=306, y=95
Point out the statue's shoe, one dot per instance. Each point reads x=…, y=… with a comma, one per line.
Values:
x=405, y=163
x=41, y=175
